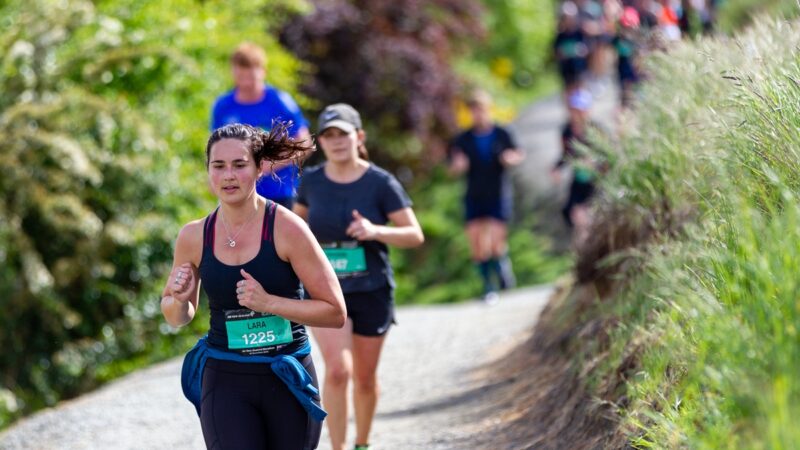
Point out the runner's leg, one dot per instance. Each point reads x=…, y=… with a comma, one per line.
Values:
x=480, y=248
x=336, y=348
x=498, y=232
x=366, y=354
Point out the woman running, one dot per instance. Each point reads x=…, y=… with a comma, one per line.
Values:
x=251, y=378
x=484, y=152
x=347, y=202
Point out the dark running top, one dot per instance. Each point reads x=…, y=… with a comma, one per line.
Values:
x=330, y=211
x=487, y=179
x=219, y=282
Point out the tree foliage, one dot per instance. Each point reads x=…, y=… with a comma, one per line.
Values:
x=391, y=59
x=521, y=31
x=83, y=223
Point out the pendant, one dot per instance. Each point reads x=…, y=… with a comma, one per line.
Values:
x=231, y=243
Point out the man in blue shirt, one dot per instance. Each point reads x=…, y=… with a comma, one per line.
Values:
x=255, y=103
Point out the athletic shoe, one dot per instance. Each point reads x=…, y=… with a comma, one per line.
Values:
x=490, y=298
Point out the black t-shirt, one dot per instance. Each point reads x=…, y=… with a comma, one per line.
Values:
x=625, y=47
x=487, y=179
x=330, y=211
x=570, y=45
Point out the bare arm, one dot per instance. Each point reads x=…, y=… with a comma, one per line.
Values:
x=511, y=157
x=405, y=232
x=459, y=163
x=295, y=243
x=179, y=298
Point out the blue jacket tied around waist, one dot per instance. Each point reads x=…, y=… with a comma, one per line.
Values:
x=286, y=367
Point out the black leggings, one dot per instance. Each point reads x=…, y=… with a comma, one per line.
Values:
x=246, y=406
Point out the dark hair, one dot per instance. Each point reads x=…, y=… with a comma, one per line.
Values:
x=362, y=151
x=274, y=146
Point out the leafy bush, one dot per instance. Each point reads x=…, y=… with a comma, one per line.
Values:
x=518, y=52
x=79, y=254
x=735, y=14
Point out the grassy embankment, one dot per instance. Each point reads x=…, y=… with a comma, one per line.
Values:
x=698, y=245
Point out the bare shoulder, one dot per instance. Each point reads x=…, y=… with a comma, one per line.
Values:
x=189, y=245
x=291, y=231
x=193, y=231
x=289, y=225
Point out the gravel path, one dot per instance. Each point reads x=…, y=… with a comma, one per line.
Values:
x=430, y=391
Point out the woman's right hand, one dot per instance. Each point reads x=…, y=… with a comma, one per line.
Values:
x=182, y=282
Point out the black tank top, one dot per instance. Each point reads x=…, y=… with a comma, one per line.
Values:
x=219, y=282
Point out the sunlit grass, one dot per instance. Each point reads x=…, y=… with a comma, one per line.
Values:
x=714, y=307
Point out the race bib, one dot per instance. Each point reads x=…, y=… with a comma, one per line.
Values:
x=252, y=332
x=347, y=258
x=583, y=175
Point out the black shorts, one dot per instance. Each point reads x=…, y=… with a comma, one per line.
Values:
x=372, y=312
x=580, y=192
x=246, y=405
x=499, y=209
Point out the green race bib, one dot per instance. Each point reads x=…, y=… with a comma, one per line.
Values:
x=252, y=332
x=583, y=175
x=346, y=258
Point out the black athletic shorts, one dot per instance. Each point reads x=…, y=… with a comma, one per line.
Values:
x=246, y=406
x=499, y=209
x=372, y=312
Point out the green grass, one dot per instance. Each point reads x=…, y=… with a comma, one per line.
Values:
x=735, y=14
x=711, y=306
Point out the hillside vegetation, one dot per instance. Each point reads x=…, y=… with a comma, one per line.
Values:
x=682, y=328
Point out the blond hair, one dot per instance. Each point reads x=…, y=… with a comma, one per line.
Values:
x=479, y=97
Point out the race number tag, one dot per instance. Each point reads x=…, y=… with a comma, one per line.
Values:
x=250, y=331
x=346, y=258
x=583, y=174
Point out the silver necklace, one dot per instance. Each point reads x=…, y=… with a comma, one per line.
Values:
x=232, y=240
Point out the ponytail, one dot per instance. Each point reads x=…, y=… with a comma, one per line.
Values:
x=362, y=152
x=274, y=146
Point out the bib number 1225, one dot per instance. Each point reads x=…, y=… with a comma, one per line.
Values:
x=262, y=337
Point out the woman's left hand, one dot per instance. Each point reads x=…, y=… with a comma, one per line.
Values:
x=361, y=228
x=251, y=294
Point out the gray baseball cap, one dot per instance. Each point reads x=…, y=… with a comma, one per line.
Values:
x=341, y=116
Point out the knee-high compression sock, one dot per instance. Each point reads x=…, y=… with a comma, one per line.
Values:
x=505, y=273
x=485, y=270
